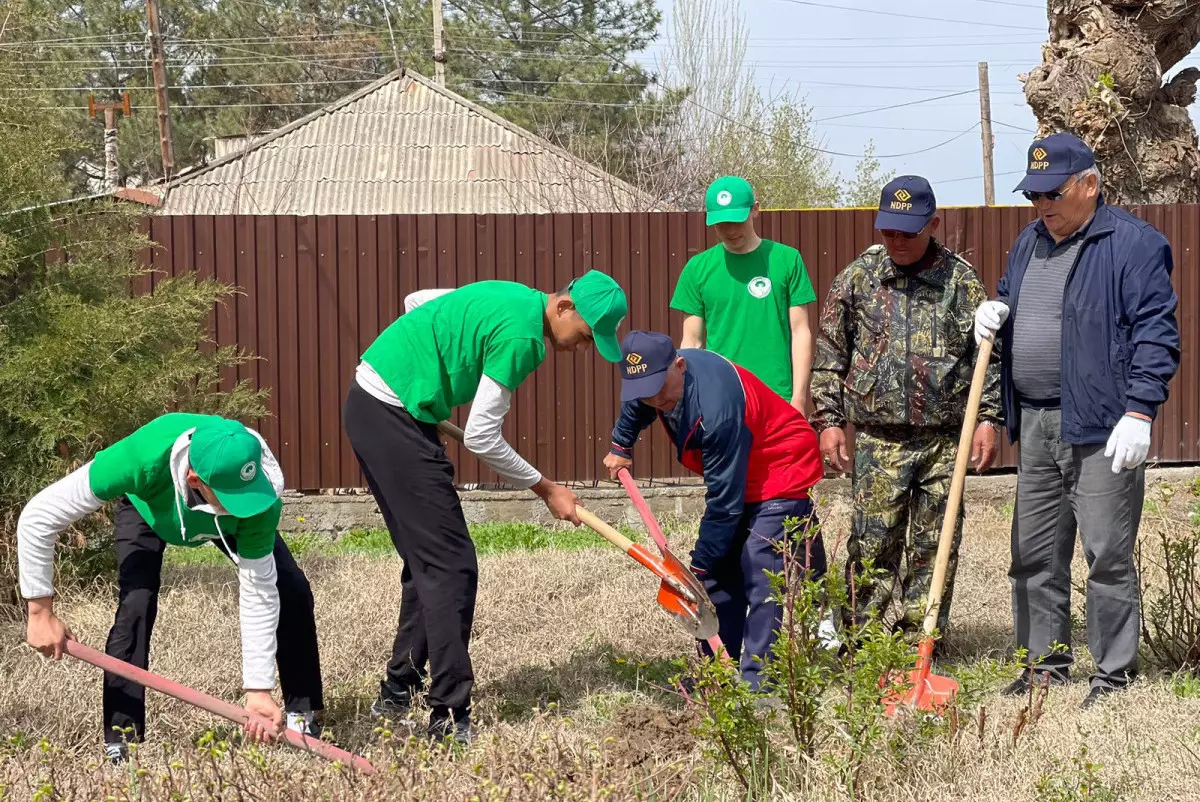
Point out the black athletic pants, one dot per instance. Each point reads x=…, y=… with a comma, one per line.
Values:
x=139, y=570
x=412, y=480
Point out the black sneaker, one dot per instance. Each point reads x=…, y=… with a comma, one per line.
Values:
x=460, y=729
x=392, y=704
x=1095, y=694
x=1020, y=685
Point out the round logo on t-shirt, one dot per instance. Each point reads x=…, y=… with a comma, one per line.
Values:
x=759, y=286
x=724, y=198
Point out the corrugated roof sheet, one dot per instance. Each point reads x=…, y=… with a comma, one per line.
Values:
x=403, y=145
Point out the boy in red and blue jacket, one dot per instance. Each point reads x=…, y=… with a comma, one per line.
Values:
x=759, y=458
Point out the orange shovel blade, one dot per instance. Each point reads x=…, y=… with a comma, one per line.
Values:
x=921, y=689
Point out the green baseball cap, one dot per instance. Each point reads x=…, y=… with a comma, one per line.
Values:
x=601, y=303
x=729, y=199
x=228, y=458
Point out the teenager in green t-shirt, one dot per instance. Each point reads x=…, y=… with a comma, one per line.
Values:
x=745, y=298
x=186, y=480
x=471, y=345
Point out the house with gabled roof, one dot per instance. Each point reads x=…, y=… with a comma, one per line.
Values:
x=401, y=145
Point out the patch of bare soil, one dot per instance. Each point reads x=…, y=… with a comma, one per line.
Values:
x=643, y=736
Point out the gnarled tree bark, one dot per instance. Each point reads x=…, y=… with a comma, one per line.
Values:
x=1101, y=78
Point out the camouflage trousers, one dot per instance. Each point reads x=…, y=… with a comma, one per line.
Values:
x=901, y=481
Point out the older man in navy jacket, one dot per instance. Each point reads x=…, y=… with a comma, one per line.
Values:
x=1086, y=313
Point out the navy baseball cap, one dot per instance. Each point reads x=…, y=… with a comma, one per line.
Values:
x=906, y=204
x=645, y=358
x=1053, y=160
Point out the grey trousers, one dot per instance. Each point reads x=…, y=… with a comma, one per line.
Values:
x=1060, y=486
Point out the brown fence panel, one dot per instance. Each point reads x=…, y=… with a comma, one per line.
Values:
x=318, y=290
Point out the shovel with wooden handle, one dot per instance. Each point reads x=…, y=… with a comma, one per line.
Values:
x=704, y=606
x=923, y=689
x=676, y=593
x=232, y=712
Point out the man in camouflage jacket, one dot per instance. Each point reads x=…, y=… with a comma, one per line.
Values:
x=894, y=356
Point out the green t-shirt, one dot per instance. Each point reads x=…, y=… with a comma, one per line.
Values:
x=433, y=357
x=744, y=300
x=139, y=467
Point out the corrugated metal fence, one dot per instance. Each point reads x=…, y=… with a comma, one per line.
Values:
x=316, y=291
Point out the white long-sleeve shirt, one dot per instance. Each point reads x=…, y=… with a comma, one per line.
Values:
x=70, y=499
x=483, y=435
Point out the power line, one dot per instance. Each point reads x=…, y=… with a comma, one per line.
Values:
x=1013, y=5
x=913, y=16
x=972, y=177
x=620, y=62
x=1014, y=127
x=899, y=105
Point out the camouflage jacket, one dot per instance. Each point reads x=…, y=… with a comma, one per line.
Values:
x=897, y=349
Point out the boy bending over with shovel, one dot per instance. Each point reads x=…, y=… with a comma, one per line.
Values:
x=475, y=344
x=185, y=480
x=759, y=458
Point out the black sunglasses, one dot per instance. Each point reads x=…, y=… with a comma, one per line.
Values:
x=889, y=234
x=1052, y=195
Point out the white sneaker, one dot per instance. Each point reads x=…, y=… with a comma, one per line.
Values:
x=304, y=723
x=116, y=754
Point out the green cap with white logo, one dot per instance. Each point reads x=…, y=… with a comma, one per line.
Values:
x=600, y=301
x=228, y=458
x=729, y=199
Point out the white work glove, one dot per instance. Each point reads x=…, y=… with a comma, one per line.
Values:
x=989, y=317
x=1128, y=443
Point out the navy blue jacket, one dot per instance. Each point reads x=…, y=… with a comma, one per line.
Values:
x=746, y=441
x=1120, y=338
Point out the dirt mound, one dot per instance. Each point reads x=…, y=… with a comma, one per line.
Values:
x=644, y=735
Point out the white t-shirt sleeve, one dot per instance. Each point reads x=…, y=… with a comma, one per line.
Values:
x=258, y=602
x=48, y=513
x=413, y=300
x=483, y=436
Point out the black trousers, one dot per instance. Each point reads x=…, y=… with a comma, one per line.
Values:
x=139, y=571
x=407, y=470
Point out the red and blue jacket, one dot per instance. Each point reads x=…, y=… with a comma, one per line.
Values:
x=746, y=441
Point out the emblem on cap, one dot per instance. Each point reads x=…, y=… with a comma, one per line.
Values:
x=248, y=470
x=903, y=194
x=759, y=286
x=724, y=197
x=634, y=359
x=1039, y=159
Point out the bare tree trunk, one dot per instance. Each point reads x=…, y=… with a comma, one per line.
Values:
x=1101, y=78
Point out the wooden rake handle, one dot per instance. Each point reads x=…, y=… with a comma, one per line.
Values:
x=237, y=715
x=957, y=483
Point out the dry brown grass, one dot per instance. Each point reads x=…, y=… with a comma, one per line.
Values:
x=579, y=633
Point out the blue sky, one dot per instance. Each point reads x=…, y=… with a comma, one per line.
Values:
x=845, y=61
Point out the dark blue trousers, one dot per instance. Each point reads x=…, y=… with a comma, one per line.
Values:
x=748, y=617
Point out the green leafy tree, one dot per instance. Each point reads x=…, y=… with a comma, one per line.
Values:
x=242, y=67
x=869, y=180
x=83, y=360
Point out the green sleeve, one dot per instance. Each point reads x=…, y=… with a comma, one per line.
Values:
x=124, y=467
x=687, y=292
x=508, y=361
x=800, y=288
x=256, y=536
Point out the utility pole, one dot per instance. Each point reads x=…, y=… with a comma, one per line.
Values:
x=439, y=52
x=159, y=67
x=112, y=177
x=985, y=133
